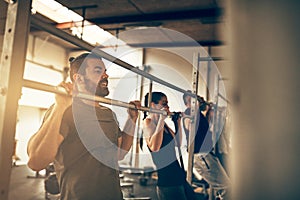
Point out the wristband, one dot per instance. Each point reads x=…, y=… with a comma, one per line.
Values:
x=129, y=127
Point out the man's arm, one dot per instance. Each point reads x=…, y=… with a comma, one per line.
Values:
x=126, y=139
x=179, y=131
x=43, y=145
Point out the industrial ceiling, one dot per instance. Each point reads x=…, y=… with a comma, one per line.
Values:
x=200, y=20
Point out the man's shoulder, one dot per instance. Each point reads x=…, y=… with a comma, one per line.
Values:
x=69, y=110
x=105, y=109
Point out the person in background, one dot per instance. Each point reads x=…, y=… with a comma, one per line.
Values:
x=222, y=147
x=82, y=137
x=161, y=143
x=206, y=163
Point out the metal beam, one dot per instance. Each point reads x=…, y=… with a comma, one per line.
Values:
x=61, y=90
x=51, y=67
x=194, y=112
x=11, y=71
x=86, y=46
x=161, y=16
x=203, y=43
x=176, y=44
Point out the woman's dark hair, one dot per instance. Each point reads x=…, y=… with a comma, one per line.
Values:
x=155, y=98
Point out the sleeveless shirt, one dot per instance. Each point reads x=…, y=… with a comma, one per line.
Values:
x=168, y=169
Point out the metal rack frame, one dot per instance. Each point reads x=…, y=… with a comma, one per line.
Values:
x=13, y=60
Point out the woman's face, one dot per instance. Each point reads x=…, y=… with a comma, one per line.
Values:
x=163, y=103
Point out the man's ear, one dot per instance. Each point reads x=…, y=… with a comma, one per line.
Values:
x=78, y=78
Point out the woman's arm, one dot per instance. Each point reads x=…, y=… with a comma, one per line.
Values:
x=154, y=134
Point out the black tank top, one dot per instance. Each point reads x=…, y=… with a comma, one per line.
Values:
x=168, y=169
x=203, y=139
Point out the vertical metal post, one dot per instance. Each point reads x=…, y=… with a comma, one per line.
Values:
x=194, y=112
x=216, y=105
x=82, y=23
x=208, y=74
x=11, y=72
x=150, y=92
x=215, y=125
x=146, y=69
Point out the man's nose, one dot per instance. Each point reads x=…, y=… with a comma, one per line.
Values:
x=104, y=75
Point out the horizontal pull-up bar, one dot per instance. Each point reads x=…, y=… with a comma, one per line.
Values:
x=86, y=46
x=51, y=67
x=62, y=91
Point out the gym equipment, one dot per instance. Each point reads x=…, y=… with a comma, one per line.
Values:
x=60, y=90
x=63, y=35
x=127, y=189
x=51, y=183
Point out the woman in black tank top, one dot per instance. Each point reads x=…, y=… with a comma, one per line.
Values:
x=161, y=143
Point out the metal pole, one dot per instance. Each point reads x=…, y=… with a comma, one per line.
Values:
x=194, y=112
x=215, y=118
x=150, y=93
x=208, y=75
x=11, y=71
x=86, y=46
x=222, y=97
x=146, y=69
x=60, y=90
x=51, y=67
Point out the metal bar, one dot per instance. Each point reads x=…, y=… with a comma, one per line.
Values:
x=207, y=98
x=86, y=46
x=142, y=80
x=11, y=71
x=215, y=13
x=216, y=105
x=194, y=112
x=209, y=59
x=44, y=87
x=176, y=44
x=208, y=75
x=150, y=93
x=222, y=97
x=60, y=90
x=137, y=138
x=61, y=34
x=202, y=43
x=215, y=126
x=45, y=66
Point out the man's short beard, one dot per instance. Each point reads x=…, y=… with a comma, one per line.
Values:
x=95, y=88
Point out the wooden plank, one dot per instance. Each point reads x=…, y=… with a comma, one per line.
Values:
x=11, y=71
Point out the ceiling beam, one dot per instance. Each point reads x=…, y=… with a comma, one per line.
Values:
x=203, y=43
x=161, y=16
x=177, y=44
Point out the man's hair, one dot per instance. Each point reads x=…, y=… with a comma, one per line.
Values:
x=77, y=65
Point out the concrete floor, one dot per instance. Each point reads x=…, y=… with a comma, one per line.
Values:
x=24, y=185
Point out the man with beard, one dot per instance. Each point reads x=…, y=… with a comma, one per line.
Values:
x=82, y=137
